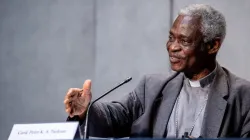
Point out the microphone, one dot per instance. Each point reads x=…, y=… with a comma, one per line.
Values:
x=85, y=134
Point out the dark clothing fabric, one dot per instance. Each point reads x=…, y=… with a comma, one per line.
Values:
x=145, y=112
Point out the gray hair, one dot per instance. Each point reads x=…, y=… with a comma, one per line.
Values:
x=213, y=23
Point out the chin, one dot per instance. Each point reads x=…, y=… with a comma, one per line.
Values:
x=177, y=68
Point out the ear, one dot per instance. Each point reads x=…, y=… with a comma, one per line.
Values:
x=214, y=46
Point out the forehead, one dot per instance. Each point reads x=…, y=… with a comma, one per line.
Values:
x=186, y=25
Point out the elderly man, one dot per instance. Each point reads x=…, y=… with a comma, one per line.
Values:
x=200, y=99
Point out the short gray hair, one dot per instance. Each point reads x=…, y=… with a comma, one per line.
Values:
x=213, y=23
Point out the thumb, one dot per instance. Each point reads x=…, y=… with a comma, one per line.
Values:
x=87, y=92
x=87, y=86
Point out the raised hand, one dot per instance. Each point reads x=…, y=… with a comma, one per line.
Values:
x=77, y=100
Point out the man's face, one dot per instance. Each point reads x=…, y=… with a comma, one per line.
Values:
x=184, y=44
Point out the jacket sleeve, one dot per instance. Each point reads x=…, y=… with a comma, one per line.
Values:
x=115, y=119
x=245, y=132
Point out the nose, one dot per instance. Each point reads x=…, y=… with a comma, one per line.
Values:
x=174, y=46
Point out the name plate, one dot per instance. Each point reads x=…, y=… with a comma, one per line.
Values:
x=44, y=131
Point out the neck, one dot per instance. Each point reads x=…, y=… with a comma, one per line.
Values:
x=201, y=72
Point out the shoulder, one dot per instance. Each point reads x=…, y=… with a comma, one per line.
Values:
x=239, y=89
x=153, y=83
x=155, y=78
x=237, y=83
x=159, y=78
x=150, y=87
x=156, y=81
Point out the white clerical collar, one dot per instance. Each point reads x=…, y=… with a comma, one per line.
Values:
x=194, y=83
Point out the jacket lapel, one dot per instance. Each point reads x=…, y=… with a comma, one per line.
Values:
x=216, y=105
x=169, y=96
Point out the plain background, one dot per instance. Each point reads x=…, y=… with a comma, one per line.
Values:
x=48, y=46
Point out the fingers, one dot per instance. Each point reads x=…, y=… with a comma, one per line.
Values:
x=68, y=107
x=68, y=110
x=71, y=113
x=70, y=96
x=68, y=100
x=72, y=92
x=76, y=100
x=76, y=109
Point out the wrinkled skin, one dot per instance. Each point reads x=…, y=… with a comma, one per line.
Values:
x=187, y=51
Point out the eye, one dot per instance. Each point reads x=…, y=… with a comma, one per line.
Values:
x=171, y=38
x=185, y=42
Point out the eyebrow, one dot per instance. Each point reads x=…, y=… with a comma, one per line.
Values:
x=171, y=32
x=183, y=36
